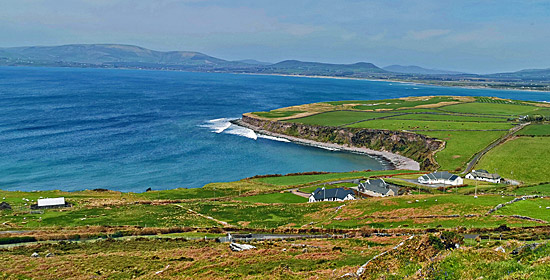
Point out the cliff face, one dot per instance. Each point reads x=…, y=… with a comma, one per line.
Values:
x=415, y=146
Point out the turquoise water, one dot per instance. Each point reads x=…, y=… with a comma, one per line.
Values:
x=128, y=130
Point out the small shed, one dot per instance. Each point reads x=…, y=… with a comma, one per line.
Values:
x=50, y=203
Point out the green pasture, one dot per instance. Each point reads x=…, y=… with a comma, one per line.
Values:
x=337, y=118
x=393, y=104
x=277, y=113
x=285, y=197
x=296, y=180
x=535, y=130
x=492, y=109
x=461, y=146
x=534, y=208
x=525, y=159
x=415, y=125
x=448, y=117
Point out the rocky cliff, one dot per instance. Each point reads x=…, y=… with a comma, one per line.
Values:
x=415, y=146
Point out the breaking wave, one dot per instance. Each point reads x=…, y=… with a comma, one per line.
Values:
x=273, y=138
x=224, y=125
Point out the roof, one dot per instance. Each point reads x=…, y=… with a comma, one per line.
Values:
x=51, y=201
x=378, y=186
x=337, y=193
x=480, y=173
x=440, y=175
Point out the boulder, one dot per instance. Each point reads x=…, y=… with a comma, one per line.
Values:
x=240, y=247
x=5, y=206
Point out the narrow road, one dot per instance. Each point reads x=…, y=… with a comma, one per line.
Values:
x=476, y=158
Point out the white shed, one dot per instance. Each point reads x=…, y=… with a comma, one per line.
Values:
x=49, y=202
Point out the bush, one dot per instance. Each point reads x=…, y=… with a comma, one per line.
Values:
x=436, y=242
x=13, y=240
x=450, y=238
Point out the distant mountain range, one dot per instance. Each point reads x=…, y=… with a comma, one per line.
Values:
x=412, y=69
x=128, y=56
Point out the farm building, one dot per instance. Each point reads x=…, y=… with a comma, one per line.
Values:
x=377, y=187
x=441, y=177
x=337, y=194
x=50, y=203
x=484, y=175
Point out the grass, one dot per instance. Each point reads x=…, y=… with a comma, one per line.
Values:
x=534, y=208
x=492, y=109
x=337, y=118
x=535, y=130
x=393, y=104
x=277, y=114
x=524, y=158
x=418, y=125
x=285, y=197
x=180, y=259
x=448, y=117
x=305, y=179
x=461, y=146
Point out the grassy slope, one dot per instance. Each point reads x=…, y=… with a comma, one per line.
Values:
x=461, y=146
x=524, y=158
x=535, y=130
x=304, y=179
x=338, y=118
x=448, y=117
x=431, y=125
x=492, y=109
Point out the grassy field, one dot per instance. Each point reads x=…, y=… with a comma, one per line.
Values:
x=304, y=179
x=492, y=109
x=338, y=118
x=417, y=125
x=277, y=114
x=285, y=197
x=524, y=158
x=461, y=146
x=180, y=259
x=448, y=117
x=535, y=130
x=393, y=104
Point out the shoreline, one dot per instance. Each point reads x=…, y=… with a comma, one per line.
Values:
x=397, y=162
x=420, y=83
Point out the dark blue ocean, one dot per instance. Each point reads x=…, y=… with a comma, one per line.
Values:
x=128, y=130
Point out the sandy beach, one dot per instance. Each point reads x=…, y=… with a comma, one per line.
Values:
x=398, y=162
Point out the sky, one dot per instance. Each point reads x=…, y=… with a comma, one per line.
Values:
x=483, y=36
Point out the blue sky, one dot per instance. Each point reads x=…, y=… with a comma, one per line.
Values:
x=472, y=36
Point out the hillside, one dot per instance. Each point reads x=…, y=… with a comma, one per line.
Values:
x=134, y=57
x=105, y=54
x=413, y=69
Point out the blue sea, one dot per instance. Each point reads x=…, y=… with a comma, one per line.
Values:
x=128, y=130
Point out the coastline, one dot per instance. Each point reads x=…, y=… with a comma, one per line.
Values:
x=421, y=83
x=397, y=162
x=414, y=82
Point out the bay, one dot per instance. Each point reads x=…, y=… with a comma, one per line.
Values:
x=128, y=130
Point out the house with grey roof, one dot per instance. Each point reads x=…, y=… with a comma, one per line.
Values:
x=377, y=187
x=337, y=194
x=441, y=177
x=484, y=175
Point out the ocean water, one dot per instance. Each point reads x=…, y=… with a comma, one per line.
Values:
x=128, y=130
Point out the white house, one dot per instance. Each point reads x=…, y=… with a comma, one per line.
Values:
x=484, y=175
x=51, y=202
x=377, y=187
x=441, y=177
x=337, y=194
